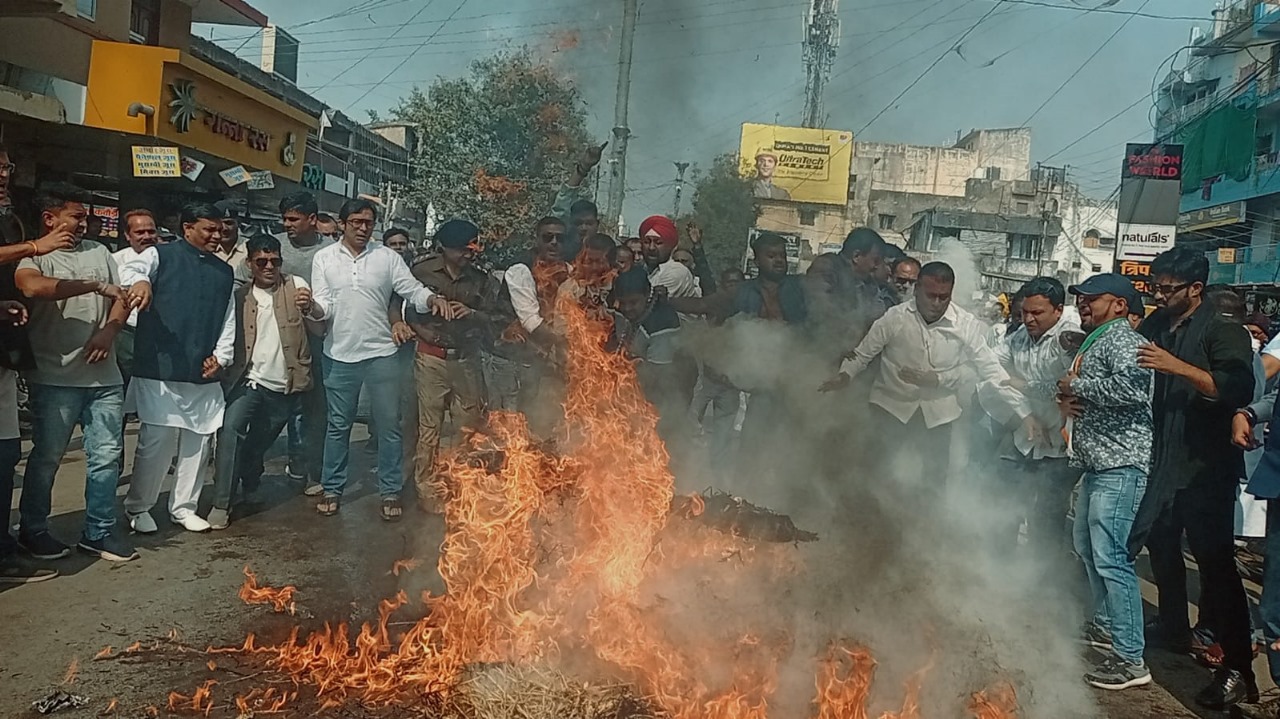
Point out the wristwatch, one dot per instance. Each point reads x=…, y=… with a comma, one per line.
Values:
x=1250, y=414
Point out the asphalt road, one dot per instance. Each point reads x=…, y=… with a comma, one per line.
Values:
x=187, y=583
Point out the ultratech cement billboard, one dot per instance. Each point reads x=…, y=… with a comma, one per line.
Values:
x=798, y=164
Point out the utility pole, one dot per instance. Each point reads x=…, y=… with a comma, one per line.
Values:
x=821, y=38
x=680, y=168
x=621, y=133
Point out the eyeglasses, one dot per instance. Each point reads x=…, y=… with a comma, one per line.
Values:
x=1169, y=290
x=265, y=262
x=356, y=222
x=8, y=169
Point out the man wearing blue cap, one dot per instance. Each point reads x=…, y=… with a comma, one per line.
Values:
x=447, y=369
x=1107, y=398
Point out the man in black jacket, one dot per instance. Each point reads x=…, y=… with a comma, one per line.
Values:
x=1204, y=373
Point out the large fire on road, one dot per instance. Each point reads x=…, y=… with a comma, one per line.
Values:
x=573, y=559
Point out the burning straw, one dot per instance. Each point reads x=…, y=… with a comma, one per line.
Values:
x=578, y=564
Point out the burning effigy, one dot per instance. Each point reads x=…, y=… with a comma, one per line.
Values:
x=577, y=585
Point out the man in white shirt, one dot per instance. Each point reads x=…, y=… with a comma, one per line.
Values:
x=272, y=368
x=353, y=282
x=1037, y=475
x=187, y=325
x=929, y=351
x=140, y=232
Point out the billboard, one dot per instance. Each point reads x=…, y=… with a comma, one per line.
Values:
x=797, y=164
x=1143, y=242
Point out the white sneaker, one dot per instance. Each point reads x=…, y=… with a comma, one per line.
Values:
x=219, y=518
x=192, y=523
x=143, y=523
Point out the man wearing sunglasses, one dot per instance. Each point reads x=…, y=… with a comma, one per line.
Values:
x=1204, y=373
x=272, y=366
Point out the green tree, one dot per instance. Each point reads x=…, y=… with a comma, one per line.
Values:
x=495, y=145
x=724, y=208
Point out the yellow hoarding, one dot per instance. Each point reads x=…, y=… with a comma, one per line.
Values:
x=799, y=164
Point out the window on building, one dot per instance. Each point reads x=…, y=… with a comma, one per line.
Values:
x=992, y=173
x=1024, y=247
x=144, y=22
x=1107, y=243
x=1264, y=144
x=808, y=217
x=886, y=221
x=1097, y=268
x=1091, y=242
x=1023, y=208
x=87, y=9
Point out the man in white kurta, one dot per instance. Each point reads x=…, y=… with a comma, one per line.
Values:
x=185, y=338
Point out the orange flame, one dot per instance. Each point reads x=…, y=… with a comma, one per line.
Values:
x=281, y=600
x=1000, y=702
x=104, y=654
x=404, y=565
x=548, y=553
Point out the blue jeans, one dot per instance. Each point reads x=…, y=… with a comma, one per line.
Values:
x=382, y=376
x=55, y=413
x=1105, y=512
x=1269, y=607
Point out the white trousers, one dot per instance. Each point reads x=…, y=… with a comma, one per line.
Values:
x=157, y=447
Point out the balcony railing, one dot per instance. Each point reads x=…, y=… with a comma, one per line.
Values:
x=1254, y=265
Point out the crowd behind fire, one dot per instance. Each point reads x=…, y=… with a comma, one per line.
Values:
x=217, y=343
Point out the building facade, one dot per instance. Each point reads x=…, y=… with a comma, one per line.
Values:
x=1223, y=106
x=94, y=91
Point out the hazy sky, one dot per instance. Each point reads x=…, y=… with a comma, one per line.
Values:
x=703, y=67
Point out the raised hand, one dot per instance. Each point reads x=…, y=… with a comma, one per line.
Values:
x=695, y=233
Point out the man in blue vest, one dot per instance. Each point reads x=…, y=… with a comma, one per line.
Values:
x=187, y=325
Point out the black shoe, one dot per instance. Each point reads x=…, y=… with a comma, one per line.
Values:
x=1095, y=636
x=43, y=546
x=1158, y=637
x=109, y=548
x=13, y=571
x=1228, y=688
x=1116, y=674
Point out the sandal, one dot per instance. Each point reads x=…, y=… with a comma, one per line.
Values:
x=328, y=505
x=391, y=509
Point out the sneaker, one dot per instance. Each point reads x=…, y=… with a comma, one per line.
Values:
x=143, y=523
x=1095, y=636
x=293, y=474
x=313, y=490
x=13, y=571
x=1115, y=674
x=1228, y=688
x=109, y=548
x=191, y=523
x=43, y=546
x=219, y=518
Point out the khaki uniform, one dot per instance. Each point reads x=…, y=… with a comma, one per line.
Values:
x=448, y=374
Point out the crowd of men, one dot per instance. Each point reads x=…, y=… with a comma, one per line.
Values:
x=218, y=344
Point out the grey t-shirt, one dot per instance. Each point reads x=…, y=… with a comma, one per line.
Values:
x=59, y=329
x=297, y=260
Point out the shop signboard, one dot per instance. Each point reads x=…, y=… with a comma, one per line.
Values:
x=1144, y=242
x=196, y=105
x=261, y=180
x=1209, y=217
x=156, y=161
x=234, y=176
x=1138, y=272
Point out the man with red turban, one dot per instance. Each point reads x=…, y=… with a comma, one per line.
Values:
x=658, y=238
